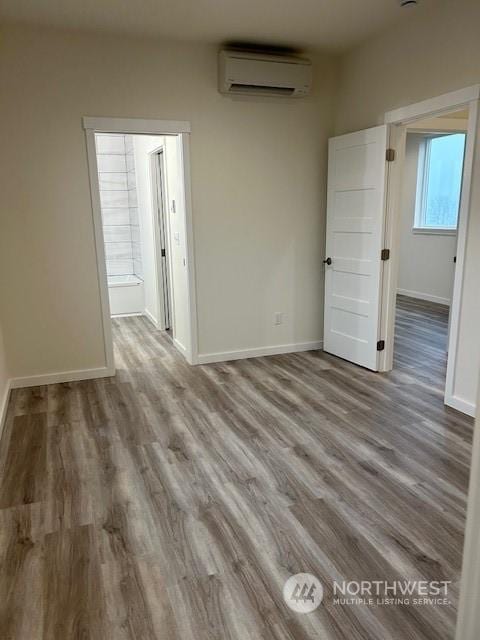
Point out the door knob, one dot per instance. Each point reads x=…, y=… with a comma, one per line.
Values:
x=327, y=261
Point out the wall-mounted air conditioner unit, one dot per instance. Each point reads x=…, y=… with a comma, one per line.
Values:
x=242, y=72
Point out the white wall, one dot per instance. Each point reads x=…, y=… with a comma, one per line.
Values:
x=175, y=219
x=177, y=237
x=258, y=187
x=439, y=52
x=426, y=266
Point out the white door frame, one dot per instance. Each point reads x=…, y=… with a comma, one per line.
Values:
x=399, y=119
x=146, y=127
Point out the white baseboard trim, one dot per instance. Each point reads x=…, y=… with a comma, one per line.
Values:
x=423, y=296
x=64, y=376
x=152, y=319
x=4, y=404
x=135, y=314
x=461, y=405
x=180, y=347
x=225, y=356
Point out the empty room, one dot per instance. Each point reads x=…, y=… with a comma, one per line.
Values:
x=239, y=320
x=429, y=208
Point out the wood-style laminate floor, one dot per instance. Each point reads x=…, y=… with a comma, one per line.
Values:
x=172, y=502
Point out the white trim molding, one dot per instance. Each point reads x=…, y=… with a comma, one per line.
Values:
x=419, y=295
x=434, y=231
x=181, y=348
x=225, y=356
x=463, y=222
x=433, y=106
x=100, y=249
x=64, y=376
x=151, y=318
x=127, y=315
x=136, y=125
x=461, y=405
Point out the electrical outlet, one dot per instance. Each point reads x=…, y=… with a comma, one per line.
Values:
x=278, y=317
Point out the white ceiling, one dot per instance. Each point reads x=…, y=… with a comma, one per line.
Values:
x=321, y=24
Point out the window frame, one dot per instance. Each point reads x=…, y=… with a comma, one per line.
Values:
x=422, y=186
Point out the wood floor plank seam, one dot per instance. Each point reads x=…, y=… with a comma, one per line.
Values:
x=172, y=502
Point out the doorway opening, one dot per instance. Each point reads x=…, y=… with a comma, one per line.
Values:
x=139, y=177
x=444, y=129
x=363, y=235
x=428, y=213
x=136, y=196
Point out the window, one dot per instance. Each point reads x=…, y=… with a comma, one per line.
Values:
x=440, y=170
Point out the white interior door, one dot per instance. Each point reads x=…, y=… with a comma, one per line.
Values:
x=355, y=228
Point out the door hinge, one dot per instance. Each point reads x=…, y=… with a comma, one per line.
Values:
x=390, y=155
x=380, y=345
x=385, y=254
x=163, y=253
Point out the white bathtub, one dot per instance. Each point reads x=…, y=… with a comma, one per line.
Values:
x=126, y=295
